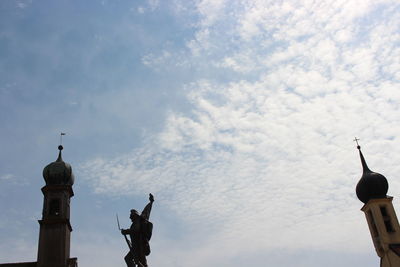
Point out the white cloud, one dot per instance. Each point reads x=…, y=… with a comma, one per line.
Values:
x=271, y=161
x=7, y=176
x=10, y=178
x=154, y=61
x=23, y=3
x=153, y=4
x=272, y=154
x=210, y=10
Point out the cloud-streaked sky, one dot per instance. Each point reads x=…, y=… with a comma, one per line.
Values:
x=237, y=115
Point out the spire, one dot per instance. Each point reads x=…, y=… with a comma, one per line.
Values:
x=363, y=162
x=59, y=159
x=60, y=147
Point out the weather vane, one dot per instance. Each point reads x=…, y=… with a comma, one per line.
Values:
x=61, y=135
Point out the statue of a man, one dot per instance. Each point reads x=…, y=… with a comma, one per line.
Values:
x=140, y=234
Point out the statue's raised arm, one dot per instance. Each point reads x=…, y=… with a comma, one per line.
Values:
x=140, y=233
x=146, y=211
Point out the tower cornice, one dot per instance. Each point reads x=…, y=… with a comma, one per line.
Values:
x=58, y=188
x=50, y=221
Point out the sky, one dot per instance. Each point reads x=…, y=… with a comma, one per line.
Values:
x=239, y=116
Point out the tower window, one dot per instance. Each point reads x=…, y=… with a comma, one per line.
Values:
x=54, y=207
x=386, y=219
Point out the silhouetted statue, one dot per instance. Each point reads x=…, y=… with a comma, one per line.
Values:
x=140, y=234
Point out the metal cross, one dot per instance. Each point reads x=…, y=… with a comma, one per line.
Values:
x=356, y=140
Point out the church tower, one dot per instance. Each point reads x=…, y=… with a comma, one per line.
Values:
x=55, y=226
x=380, y=214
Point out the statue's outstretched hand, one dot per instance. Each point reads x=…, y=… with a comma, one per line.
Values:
x=151, y=197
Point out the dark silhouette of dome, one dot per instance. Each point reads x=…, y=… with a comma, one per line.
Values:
x=371, y=185
x=58, y=172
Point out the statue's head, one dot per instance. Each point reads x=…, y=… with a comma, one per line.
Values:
x=134, y=214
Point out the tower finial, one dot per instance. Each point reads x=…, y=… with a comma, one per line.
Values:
x=61, y=135
x=363, y=162
x=60, y=147
x=356, y=140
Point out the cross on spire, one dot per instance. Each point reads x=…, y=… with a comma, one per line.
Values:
x=356, y=140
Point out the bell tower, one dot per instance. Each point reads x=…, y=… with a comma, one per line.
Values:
x=55, y=226
x=380, y=214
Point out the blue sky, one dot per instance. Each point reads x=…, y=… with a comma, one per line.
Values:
x=238, y=116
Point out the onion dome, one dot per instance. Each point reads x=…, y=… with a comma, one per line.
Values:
x=58, y=172
x=371, y=185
